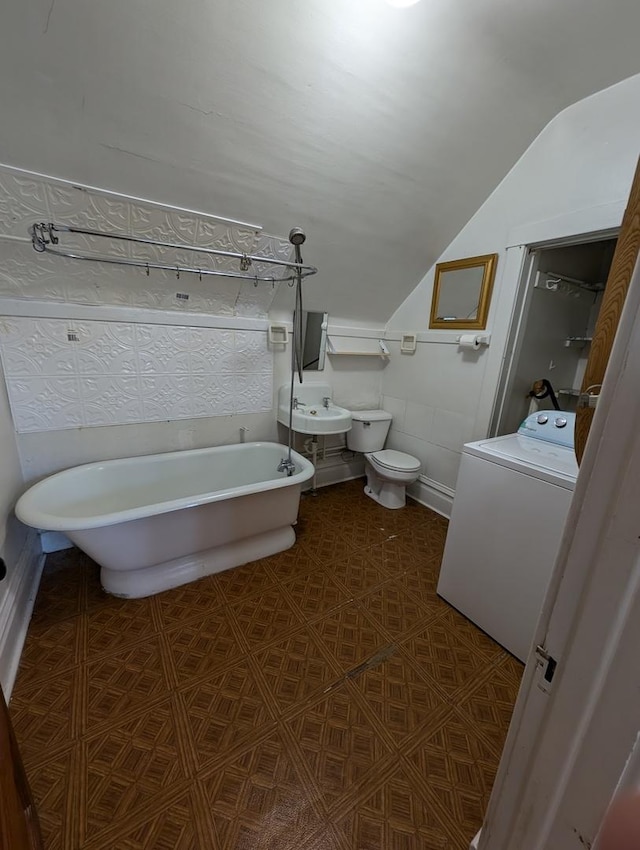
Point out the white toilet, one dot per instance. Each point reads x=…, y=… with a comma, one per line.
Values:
x=388, y=471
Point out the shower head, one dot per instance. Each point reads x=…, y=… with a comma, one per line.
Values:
x=297, y=236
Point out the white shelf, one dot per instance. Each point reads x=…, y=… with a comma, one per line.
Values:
x=358, y=353
x=577, y=340
x=381, y=351
x=569, y=391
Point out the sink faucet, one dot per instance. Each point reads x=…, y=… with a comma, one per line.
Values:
x=326, y=400
x=297, y=404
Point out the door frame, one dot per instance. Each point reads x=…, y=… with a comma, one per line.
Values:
x=569, y=743
x=582, y=222
x=521, y=307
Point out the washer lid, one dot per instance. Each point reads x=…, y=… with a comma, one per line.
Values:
x=539, y=458
x=371, y=416
x=390, y=459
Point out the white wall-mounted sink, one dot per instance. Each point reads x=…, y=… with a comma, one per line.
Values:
x=317, y=420
x=312, y=415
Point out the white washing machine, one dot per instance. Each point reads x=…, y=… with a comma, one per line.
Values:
x=511, y=503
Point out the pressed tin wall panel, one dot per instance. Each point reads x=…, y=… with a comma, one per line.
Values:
x=26, y=198
x=66, y=373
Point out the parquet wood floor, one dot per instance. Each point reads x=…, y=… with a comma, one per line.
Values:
x=321, y=699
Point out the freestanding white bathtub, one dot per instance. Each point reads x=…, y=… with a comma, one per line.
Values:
x=163, y=520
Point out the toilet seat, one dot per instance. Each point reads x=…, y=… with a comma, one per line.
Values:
x=395, y=461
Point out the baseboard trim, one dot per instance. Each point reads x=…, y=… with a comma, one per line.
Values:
x=16, y=607
x=432, y=495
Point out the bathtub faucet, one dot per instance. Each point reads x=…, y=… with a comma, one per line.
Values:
x=287, y=465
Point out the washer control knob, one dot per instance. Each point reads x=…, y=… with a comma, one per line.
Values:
x=560, y=421
x=542, y=419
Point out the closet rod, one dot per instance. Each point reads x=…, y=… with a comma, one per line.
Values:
x=43, y=237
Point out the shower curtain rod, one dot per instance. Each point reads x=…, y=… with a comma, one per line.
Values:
x=43, y=238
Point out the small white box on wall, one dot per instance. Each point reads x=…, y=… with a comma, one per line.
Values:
x=278, y=335
x=408, y=343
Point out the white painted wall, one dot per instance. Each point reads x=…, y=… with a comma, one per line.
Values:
x=12, y=533
x=42, y=453
x=20, y=551
x=574, y=178
x=353, y=119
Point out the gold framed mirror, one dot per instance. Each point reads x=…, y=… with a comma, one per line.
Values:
x=462, y=292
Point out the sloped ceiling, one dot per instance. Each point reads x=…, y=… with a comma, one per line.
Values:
x=378, y=130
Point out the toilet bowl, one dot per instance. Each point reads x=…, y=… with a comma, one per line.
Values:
x=388, y=471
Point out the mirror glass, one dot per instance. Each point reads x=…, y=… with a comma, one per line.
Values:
x=314, y=342
x=461, y=293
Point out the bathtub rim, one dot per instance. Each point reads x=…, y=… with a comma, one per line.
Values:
x=35, y=517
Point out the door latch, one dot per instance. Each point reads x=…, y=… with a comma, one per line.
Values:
x=547, y=664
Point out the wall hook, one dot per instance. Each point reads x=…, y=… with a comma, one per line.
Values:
x=178, y=272
x=147, y=269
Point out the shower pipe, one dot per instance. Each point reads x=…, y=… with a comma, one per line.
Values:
x=297, y=236
x=43, y=237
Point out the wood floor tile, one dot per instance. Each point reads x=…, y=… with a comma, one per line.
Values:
x=292, y=562
x=395, y=555
x=45, y=715
x=421, y=583
x=259, y=799
x=190, y=602
x=56, y=802
x=61, y=594
x=128, y=764
x=224, y=711
x=361, y=532
x=457, y=771
x=53, y=647
x=471, y=634
x=358, y=573
x=127, y=681
x=328, y=545
x=394, y=815
x=323, y=698
x=395, y=611
x=246, y=581
x=441, y=653
x=265, y=618
x=295, y=669
x=455, y=760
x=169, y=823
x=339, y=744
x=403, y=702
x=315, y=593
x=489, y=708
x=513, y=670
x=114, y=624
x=202, y=646
x=350, y=635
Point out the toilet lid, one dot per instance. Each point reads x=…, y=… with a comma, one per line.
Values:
x=391, y=459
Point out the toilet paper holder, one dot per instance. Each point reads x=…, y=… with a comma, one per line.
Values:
x=473, y=341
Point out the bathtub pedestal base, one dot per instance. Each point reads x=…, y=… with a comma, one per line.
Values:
x=134, y=584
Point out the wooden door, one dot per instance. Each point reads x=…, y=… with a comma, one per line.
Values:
x=624, y=261
x=19, y=826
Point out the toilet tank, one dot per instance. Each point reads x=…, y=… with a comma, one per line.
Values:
x=369, y=429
